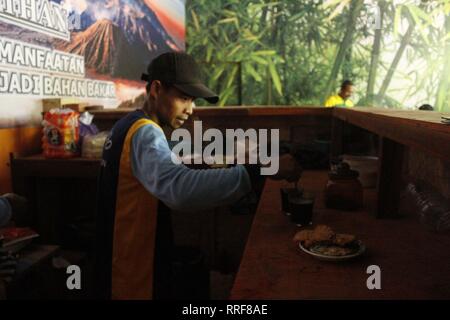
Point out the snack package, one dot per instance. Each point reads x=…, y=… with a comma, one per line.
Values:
x=87, y=127
x=60, y=133
x=93, y=145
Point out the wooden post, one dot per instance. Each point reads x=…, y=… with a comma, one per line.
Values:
x=389, y=178
x=337, y=131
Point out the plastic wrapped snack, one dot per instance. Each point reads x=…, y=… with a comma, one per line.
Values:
x=87, y=127
x=93, y=145
x=60, y=133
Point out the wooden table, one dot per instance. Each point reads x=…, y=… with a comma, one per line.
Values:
x=414, y=263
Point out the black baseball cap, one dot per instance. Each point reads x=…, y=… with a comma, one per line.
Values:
x=181, y=71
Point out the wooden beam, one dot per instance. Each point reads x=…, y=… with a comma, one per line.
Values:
x=337, y=126
x=389, y=184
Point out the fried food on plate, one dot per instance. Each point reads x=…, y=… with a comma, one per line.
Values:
x=302, y=235
x=342, y=239
x=323, y=235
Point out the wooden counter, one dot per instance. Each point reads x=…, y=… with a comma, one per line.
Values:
x=296, y=124
x=396, y=130
x=413, y=262
x=231, y=111
x=417, y=129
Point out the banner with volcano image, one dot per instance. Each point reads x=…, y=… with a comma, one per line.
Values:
x=116, y=39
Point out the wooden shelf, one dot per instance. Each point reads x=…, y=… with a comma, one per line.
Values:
x=39, y=166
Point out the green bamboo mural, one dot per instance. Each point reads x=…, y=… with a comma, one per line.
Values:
x=261, y=52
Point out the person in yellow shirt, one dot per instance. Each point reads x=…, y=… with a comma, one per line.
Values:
x=342, y=98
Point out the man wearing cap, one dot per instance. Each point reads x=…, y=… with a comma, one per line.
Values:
x=138, y=172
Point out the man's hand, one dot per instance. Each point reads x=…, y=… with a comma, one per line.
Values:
x=289, y=169
x=8, y=265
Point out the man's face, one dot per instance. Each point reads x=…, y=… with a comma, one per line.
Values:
x=173, y=107
x=346, y=92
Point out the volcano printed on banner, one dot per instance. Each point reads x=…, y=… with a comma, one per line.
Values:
x=118, y=37
x=107, y=51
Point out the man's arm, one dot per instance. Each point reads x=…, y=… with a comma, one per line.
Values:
x=178, y=186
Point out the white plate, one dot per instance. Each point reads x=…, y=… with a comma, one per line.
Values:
x=324, y=257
